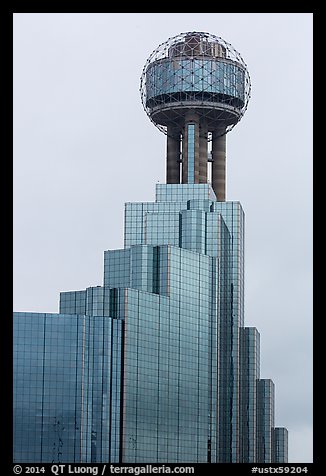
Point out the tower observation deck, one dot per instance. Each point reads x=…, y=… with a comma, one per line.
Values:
x=195, y=88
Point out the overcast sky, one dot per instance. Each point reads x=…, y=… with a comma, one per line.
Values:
x=83, y=146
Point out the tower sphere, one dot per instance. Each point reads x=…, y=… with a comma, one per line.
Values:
x=195, y=73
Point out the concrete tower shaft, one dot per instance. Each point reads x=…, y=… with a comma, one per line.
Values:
x=195, y=88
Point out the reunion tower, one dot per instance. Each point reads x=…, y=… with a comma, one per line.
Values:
x=195, y=87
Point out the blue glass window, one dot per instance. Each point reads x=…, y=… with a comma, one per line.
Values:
x=191, y=153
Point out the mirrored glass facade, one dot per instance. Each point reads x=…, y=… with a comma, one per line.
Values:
x=189, y=216
x=265, y=420
x=155, y=365
x=249, y=375
x=212, y=79
x=280, y=445
x=67, y=384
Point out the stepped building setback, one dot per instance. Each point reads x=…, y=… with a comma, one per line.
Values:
x=156, y=365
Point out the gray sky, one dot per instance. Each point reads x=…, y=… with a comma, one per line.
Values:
x=81, y=139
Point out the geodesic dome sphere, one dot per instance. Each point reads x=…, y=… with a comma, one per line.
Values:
x=197, y=72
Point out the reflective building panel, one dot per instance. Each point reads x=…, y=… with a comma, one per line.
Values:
x=67, y=371
x=265, y=421
x=171, y=80
x=280, y=445
x=48, y=401
x=249, y=375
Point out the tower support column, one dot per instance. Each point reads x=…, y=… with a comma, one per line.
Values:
x=218, y=164
x=190, y=156
x=203, y=152
x=173, y=156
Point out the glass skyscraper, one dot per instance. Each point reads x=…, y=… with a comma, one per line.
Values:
x=155, y=365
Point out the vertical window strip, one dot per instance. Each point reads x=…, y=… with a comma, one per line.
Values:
x=191, y=153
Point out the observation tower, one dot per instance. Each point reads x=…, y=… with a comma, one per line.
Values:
x=195, y=88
